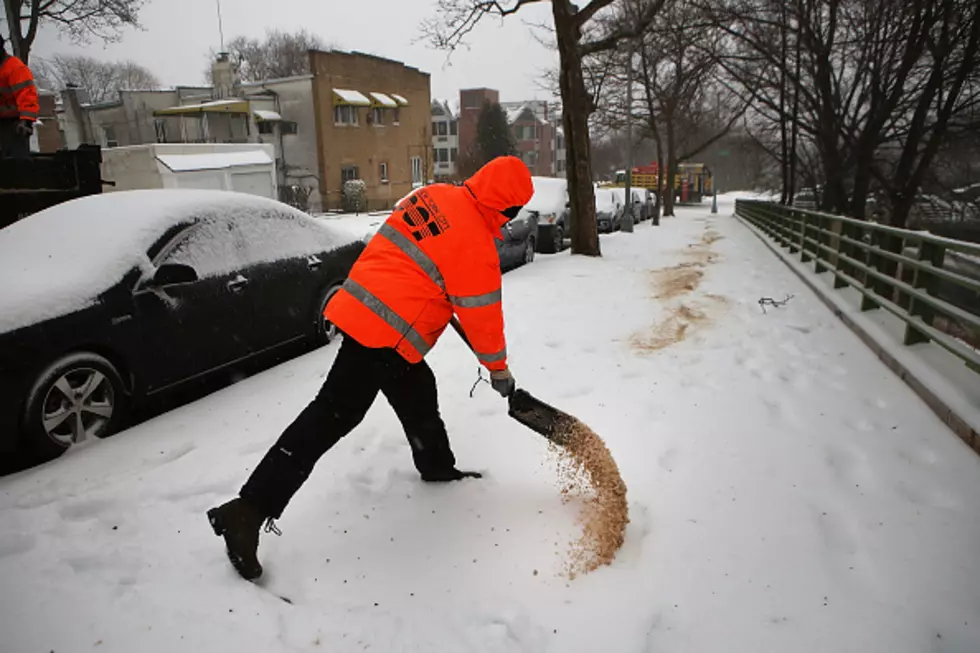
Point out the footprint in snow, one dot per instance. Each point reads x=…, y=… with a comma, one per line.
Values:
x=85, y=509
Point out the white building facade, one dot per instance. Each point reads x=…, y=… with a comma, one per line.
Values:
x=445, y=140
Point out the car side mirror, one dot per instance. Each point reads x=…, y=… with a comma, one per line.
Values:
x=171, y=274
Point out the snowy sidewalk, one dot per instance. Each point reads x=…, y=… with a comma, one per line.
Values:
x=787, y=492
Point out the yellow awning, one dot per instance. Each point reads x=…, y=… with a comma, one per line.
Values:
x=217, y=106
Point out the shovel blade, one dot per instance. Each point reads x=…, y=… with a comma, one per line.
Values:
x=540, y=417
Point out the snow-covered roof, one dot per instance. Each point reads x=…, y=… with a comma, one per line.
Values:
x=355, y=98
x=214, y=161
x=262, y=114
x=514, y=113
x=383, y=100
x=61, y=259
x=399, y=99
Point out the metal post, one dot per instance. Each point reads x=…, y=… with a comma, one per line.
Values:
x=627, y=223
x=714, y=202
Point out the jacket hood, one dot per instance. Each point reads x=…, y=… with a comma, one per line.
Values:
x=499, y=185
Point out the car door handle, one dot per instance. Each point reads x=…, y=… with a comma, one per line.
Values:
x=237, y=283
x=313, y=263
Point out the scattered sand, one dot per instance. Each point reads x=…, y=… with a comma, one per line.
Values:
x=677, y=281
x=672, y=282
x=588, y=473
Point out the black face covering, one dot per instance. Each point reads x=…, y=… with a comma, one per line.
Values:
x=512, y=212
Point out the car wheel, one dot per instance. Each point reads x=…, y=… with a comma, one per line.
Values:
x=559, y=239
x=326, y=331
x=79, y=396
x=529, y=251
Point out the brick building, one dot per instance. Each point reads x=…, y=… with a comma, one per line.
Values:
x=373, y=123
x=534, y=124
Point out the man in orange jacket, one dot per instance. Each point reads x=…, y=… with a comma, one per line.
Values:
x=434, y=257
x=18, y=106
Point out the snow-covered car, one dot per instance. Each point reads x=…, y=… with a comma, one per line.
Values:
x=520, y=239
x=608, y=210
x=638, y=203
x=549, y=206
x=112, y=299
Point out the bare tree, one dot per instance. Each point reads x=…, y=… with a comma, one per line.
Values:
x=102, y=79
x=82, y=20
x=279, y=54
x=579, y=32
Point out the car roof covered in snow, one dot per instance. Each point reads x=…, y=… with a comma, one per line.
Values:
x=550, y=195
x=61, y=259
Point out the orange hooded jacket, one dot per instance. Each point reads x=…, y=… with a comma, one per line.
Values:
x=18, y=96
x=435, y=256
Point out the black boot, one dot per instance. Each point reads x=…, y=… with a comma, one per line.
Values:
x=239, y=523
x=447, y=475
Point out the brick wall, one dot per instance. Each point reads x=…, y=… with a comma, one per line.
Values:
x=368, y=146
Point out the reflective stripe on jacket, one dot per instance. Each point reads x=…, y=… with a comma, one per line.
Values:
x=18, y=95
x=434, y=257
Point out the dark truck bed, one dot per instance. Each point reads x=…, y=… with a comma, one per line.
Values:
x=44, y=180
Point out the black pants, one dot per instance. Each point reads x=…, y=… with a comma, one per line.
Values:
x=358, y=373
x=13, y=144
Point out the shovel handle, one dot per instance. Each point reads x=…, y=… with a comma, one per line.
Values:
x=459, y=329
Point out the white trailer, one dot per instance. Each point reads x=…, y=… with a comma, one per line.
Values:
x=243, y=167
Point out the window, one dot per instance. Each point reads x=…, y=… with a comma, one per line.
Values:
x=396, y=116
x=443, y=129
x=288, y=127
x=383, y=172
x=212, y=247
x=452, y=154
x=531, y=158
x=109, y=136
x=377, y=116
x=561, y=165
x=345, y=115
x=416, y=170
x=529, y=132
x=265, y=127
x=348, y=173
x=561, y=142
x=453, y=128
x=442, y=155
x=435, y=127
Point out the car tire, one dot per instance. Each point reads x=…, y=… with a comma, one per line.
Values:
x=325, y=330
x=78, y=396
x=529, y=251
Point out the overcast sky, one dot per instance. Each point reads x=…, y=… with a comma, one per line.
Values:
x=177, y=36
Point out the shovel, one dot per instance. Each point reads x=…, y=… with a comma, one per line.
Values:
x=530, y=411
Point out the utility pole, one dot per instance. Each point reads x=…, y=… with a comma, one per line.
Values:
x=627, y=224
x=221, y=29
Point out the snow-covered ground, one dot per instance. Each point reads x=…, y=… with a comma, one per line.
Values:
x=787, y=492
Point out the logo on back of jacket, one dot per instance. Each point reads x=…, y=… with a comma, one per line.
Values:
x=423, y=216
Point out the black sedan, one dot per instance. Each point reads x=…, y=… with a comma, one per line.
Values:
x=110, y=300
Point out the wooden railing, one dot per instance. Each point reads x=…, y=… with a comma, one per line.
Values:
x=874, y=260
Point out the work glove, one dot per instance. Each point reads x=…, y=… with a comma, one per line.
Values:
x=503, y=382
x=25, y=128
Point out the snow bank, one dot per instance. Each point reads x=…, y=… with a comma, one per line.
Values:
x=787, y=492
x=59, y=260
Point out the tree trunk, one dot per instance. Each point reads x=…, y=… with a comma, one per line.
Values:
x=576, y=107
x=671, y=163
x=12, y=14
x=784, y=154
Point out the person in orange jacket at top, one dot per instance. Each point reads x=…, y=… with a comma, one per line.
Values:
x=18, y=106
x=432, y=258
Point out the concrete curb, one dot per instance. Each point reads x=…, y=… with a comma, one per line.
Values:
x=947, y=413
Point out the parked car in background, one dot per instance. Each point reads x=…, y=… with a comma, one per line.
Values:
x=638, y=202
x=608, y=210
x=520, y=240
x=112, y=299
x=549, y=205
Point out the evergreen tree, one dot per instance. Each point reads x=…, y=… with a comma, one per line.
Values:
x=493, y=139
